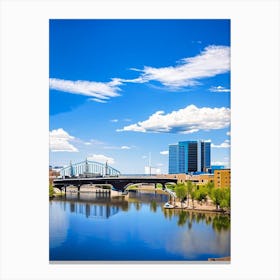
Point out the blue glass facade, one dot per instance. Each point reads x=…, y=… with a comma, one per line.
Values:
x=173, y=159
x=189, y=156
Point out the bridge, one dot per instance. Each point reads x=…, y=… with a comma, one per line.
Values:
x=119, y=183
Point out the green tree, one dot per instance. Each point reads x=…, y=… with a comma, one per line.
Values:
x=51, y=190
x=193, y=196
x=225, y=198
x=201, y=194
x=210, y=187
x=181, y=192
x=216, y=196
x=159, y=186
x=190, y=187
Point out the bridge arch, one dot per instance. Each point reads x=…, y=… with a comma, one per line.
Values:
x=88, y=167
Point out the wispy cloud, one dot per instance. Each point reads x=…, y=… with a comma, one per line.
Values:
x=225, y=144
x=213, y=60
x=228, y=133
x=164, y=153
x=219, y=89
x=60, y=141
x=98, y=100
x=101, y=158
x=125, y=148
x=114, y=120
x=187, y=120
x=98, y=90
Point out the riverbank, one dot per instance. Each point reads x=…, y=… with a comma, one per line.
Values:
x=207, y=206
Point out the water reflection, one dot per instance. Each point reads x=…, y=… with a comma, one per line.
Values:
x=219, y=222
x=94, y=205
x=58, y=224
x=133, y=227
x=196, y=241
x=153, y=206
x=191, y=242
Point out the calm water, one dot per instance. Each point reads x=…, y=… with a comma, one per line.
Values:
x=136, y=228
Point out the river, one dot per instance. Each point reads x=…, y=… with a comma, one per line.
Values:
x=95, y=227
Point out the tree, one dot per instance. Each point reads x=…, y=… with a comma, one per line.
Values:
x=51, y=190
x=159, y=186
x=181, y=192
x=216, y=197
x=225, y=198
x=190, y=188
x=193, y=196
x=201, y=194
x=210, y=187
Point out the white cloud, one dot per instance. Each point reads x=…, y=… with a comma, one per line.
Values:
x=59, y=141
x=164, y=153
x=98, y=100
x=213, y=60
x=187, y=120
x=225, y=144
x=100, y=91
x=228, y=133
x=219, y=89
x=114, y=120
x=101, y=158
x=125, y=148
x=226, y=164
x=87, y=143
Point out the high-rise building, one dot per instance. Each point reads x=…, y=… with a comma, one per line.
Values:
x=189, y=156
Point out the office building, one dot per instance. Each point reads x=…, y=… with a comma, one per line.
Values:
x=222, y=178
x=189, y=156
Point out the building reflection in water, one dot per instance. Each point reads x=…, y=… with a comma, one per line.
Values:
x=96, y=210
x=97, y=206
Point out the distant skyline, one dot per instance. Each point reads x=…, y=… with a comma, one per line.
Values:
x=123, y=89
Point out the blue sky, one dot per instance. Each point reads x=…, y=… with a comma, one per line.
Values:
x=123, y=89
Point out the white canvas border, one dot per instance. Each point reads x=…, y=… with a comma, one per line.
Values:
x=24, y=137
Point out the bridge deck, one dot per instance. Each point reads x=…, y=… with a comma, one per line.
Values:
x=117, y=182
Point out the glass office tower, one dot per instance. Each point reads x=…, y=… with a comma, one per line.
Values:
x=189, y=156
